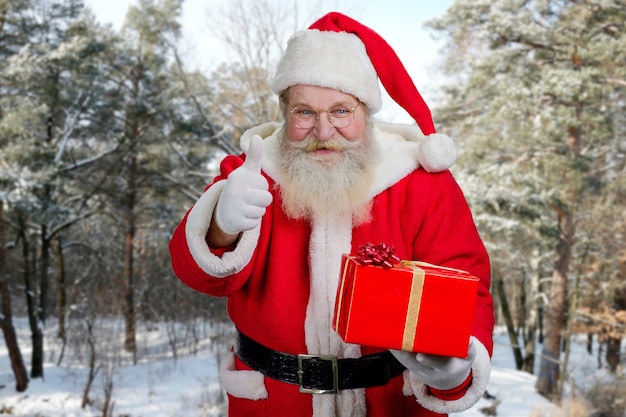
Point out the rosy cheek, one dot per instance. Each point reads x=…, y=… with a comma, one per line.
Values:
x=353, y=132
x=295, y=133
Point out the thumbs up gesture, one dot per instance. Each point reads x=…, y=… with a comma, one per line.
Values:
x=245, y=197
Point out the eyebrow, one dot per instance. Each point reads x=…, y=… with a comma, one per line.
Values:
x=339, y=103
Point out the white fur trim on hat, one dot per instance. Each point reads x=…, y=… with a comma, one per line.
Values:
x=436, y=152
x=336, y=60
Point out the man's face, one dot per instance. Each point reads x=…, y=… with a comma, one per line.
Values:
x=325, y=108
x=326, y=168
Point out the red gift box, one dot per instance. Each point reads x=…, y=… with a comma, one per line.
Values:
x=411, y=306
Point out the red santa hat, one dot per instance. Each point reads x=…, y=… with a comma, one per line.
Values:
x=340, y=53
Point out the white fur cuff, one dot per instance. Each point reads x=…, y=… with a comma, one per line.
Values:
x=241, y=384
x=196, y=229
x=481, y=370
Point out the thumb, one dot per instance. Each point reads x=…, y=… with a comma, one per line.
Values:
x=254, y=156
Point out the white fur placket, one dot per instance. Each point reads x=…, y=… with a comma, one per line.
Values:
x=330, y=237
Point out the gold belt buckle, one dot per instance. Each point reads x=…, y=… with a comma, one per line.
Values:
x=308, y=390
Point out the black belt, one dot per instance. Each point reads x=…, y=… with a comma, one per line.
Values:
x=319, y=374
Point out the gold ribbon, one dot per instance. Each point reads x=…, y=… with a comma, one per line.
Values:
x=415, y=301
x=344, y=278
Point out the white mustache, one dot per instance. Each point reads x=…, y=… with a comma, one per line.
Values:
x=311, y=144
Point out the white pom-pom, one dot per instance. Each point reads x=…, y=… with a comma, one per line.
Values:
x=436, y=152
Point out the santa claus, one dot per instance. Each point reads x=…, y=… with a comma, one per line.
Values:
x=270, y=231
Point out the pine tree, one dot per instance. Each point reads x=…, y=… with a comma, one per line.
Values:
x=148, y=114
x=33, y=111
x=533, y=84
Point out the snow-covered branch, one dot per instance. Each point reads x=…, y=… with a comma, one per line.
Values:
x=87, y=161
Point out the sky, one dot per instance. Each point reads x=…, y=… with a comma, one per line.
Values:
x=399, y=22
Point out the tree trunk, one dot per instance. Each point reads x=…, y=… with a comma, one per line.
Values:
x=533, y=306
x=61, y=293
x=549, y=369
x=614, y=343
x=573, y=306
x=529, y=349
x=613, y=349
x=43, y=274
x=61, y=298
x=129, y=307
x=508, y=319
x=129, y=235
x=36, y=331
x=6, y=321
x=42, y=306
x=93, y=369
x=10, y=338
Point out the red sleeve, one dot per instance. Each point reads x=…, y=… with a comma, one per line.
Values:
x=228, y=165
x=186, y=268
x=448, y=236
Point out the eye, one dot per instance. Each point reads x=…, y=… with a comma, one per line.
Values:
x=340, y=111
x=304, y=112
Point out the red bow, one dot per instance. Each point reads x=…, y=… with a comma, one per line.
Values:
x=380, y=255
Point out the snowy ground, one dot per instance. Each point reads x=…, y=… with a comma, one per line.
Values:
x=188, y=386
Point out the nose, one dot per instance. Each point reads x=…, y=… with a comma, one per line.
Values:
x=325, y=130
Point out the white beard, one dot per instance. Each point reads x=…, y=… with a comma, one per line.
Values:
x=316, y=186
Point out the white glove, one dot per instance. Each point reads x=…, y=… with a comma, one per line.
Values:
x=245, y=196
x=439, y=372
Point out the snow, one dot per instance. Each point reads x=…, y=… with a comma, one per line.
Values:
x=187, y=385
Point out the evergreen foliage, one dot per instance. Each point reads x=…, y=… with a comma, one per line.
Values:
x=536, y=99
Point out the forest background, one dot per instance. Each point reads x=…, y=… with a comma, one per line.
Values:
x=107, y=137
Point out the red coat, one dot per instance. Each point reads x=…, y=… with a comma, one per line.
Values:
x=281, y=279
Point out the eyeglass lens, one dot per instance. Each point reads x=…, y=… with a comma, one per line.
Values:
x=339, y=116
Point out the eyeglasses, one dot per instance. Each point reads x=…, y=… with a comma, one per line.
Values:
x=340, y=116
